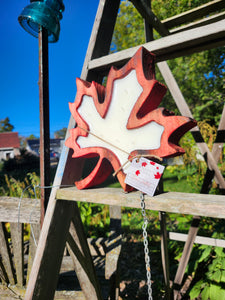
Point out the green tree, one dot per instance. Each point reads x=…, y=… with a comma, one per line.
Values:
x=199, y=76
x=129, y=28
x=32, y=137
x=60, y=134
x=5, y=125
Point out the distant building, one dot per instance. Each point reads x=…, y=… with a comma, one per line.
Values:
x=9, y=145
x=34, y=145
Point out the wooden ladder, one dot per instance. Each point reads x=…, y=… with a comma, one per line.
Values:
x=62, y=223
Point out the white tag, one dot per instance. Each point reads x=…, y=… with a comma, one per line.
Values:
x=144, y=175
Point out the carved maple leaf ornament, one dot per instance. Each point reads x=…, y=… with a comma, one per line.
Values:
x=122, y=120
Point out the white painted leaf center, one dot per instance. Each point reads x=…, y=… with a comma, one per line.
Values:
x=112, y=129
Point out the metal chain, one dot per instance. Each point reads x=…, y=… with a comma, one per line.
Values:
x=147, y=256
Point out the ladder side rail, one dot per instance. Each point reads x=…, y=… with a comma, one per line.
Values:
x=68, y=171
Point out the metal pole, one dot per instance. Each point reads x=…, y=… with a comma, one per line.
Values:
x=44, y=120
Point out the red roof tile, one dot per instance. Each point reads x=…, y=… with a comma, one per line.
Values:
x=9, y=139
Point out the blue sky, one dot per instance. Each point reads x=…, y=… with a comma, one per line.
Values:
x=19, y=65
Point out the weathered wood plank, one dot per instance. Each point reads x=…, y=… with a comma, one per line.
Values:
x=164, y=253
x=113, y=251
x=3, y=274
x=185, y=203
x=102, y=32
x=69, y=295
x=26, y=213
x=186, y=254
x=216, y=152
x=195, y=13
x=144, y=9
x=202, y=240
x=175, y=45
x=114, y=241
x=18, y=252
x=83, y=264
x=97, y=246
x=6, y=254
x=43, y=277
x=34, y=236
x=202, y=22
x=13, y=292
x=218, y=144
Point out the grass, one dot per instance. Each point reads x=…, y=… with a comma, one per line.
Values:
x=171, y=183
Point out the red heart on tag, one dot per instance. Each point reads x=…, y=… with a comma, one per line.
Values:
x=144, y=164
x=152, y=163
x=157, y=175
x=137, y=172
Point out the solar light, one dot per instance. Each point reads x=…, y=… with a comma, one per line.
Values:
x=45, y=13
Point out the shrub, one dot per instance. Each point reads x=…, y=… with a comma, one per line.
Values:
x=26, y=161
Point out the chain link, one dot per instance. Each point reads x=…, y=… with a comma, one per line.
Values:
x=147, y=256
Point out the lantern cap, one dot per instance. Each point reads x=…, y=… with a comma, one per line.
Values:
x=45, y=13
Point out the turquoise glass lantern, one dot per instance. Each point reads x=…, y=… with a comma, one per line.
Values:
x=46, y=13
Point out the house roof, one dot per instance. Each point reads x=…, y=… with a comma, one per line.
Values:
x=9, y=140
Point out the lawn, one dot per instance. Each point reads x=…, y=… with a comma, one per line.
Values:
x=171, y=183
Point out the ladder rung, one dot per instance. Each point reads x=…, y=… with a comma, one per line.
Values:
x=193, y=14
x=184, y=203
x=174, y=45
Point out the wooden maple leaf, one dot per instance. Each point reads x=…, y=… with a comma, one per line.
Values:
x=122, y=120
